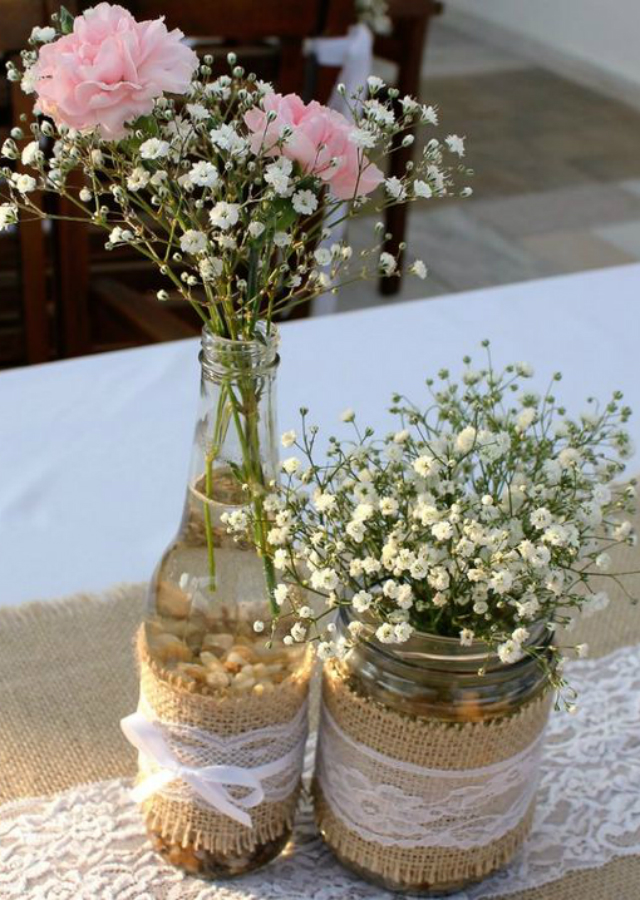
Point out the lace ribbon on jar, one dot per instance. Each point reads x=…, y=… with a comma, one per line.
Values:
x=397, y=804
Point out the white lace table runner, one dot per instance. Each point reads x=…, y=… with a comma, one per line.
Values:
x=88, y=843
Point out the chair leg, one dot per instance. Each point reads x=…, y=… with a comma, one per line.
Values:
x=32, y=264
x=36, y=319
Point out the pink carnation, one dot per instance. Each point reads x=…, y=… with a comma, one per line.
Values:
x=318, y=136
x=109, y=70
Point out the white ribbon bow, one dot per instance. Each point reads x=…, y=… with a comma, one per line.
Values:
x=209, y=782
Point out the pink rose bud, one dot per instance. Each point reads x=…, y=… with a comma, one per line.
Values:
x=108, y=71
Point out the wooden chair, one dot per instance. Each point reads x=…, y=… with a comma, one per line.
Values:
x=404, y=47
x=103, y=297
x=24, y=310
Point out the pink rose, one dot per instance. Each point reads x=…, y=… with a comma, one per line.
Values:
x=318, y=136
x=109, y=70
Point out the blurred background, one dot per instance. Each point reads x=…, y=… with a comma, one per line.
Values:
x=547, y=94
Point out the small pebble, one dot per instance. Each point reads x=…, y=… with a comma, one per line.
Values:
x=217, y=643
x=217, y=679
x=167, y=647
x=172, y=601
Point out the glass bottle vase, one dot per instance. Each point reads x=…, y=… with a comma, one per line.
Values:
x=210, y=603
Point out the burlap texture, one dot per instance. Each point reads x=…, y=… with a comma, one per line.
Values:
x=67, y=677
x=431, y=744
x=444, y=745
x=190, y=823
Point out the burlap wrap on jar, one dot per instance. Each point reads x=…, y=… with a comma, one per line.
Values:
x=421, y=803
x=247, y=732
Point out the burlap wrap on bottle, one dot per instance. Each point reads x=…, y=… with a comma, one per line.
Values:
x=413, y=788
x=193, y=822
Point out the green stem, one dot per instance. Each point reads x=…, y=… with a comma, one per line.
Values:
x=244, y=411
x=208, y=526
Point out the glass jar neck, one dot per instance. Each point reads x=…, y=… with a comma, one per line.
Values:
x=427, y=656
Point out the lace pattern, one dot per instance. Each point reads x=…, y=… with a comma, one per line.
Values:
x=90, y=843
x=396, y=804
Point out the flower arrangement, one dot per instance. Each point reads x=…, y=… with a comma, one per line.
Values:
x=479, y=517
x=224, y=185
x=229, y=189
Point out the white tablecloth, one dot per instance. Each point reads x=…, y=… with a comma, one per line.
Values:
x=94, y=451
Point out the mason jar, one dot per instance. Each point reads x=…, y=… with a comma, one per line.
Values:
x=428, y=757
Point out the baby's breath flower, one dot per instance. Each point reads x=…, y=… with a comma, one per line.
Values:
x=298, y=632
x=32, y=155
x=422, y=189
x=8, y=215
x=325, y=650
x=291, y=465
x=224, y=215
x=385, y=633
x=204, y=174
x=509, y=652
x=419, y=269
x=304, y=202
x=395, y=188
x=193, y=242
x=24, y=184
x=288, y=438
x=282, y=239
x=154, y=148
x=388, y=264
x=455, y=144
x=43, y=35
x=256, y=229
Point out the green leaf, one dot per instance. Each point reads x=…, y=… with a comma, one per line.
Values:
x=284, y=214
x=147, y=125
x=66, y=20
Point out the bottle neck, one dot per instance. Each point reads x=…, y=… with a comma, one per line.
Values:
x=223, y=360
x=236, y=433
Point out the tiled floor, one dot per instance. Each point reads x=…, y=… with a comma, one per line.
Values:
x=557, y=175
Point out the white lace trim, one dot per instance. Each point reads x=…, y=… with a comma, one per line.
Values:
x=398, y=804
x=89, y=843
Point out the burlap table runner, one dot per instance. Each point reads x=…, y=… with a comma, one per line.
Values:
x=67, y=677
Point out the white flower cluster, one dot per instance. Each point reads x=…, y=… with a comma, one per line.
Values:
x=479, y=519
